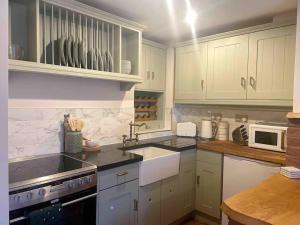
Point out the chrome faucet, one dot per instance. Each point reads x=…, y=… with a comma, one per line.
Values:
x=131, y=139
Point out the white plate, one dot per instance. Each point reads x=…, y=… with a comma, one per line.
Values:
x=82, y=54
x=62, y=49
x=111, y=62
x=76, y=52
x=70, y=51
x=100, y=61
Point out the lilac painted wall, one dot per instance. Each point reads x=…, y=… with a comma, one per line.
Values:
x=3, y=113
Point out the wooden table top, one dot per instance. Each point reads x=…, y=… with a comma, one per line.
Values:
x=228, y=147
x=275, y=201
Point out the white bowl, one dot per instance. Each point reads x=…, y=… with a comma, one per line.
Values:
x=91, y=143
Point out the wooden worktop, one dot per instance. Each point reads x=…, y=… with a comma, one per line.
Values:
x=275, y=201
x=228, y=147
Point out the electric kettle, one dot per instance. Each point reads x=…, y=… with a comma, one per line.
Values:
x=208, y=129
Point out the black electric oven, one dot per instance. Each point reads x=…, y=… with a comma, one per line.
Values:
x=77, y=209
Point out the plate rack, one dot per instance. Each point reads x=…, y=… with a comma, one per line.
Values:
x=71, y=36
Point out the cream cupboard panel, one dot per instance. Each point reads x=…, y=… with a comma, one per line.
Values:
x=145, y=71
x=271, y=64
x=190, y=73
x=153, y=69
x=158, y=69
x=227, y=68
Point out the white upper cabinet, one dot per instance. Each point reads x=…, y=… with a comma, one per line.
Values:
x=190, y=72
x=271, y=64
x=153, y=68
x=227, y=68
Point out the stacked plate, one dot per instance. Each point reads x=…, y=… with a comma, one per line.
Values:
x=290, y=172
x=126, y=66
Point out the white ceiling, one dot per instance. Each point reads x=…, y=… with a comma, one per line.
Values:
x=166, y=25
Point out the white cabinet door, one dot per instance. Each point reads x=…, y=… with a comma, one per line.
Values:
x=145, y=71
x=158, y=69
x=271, y=64
x=153, y=69
x=190, y=72
x=227, y=68
x=241, y=173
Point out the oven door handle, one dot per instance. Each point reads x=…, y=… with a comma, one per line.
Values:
x=17, y=219
x=64, y=204
x=79, y=199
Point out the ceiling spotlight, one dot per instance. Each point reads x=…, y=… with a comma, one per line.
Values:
x=191, y=17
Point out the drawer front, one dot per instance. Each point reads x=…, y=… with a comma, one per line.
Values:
x=209, y=157
x=188, y=157
x=118, y=175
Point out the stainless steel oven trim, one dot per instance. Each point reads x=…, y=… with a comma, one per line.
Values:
x=17, y=219
x=79, y=199
x=64, y=205
x=42, y=180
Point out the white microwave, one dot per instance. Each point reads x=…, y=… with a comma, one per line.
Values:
x=270, y=136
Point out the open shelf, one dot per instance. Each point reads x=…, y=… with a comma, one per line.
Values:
x=145, y=100
x=41, y=68
x=146, y=119
x=146, y=110
x=69, y=38
x=149, y=108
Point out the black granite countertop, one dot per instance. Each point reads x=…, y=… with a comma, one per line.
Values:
x=115, y=155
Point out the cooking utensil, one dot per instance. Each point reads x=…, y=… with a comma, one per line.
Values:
x=79, y=124
x=72, y=123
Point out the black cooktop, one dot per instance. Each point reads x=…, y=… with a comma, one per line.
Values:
x=20, y=171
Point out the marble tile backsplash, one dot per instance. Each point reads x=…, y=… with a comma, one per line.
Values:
x=39, y=131
x=183, y=113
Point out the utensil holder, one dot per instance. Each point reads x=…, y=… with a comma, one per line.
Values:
x=73, y=142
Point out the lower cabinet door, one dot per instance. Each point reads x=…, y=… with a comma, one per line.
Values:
x=149, y=204
x=170, y=201
x=187, y=188
x=118, y=205
x=209, y=183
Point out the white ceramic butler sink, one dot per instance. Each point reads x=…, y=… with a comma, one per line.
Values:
x=157, y=164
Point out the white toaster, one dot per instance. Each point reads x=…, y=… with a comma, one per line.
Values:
x=187, y=129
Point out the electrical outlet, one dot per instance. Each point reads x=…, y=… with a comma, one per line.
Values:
x=217, y=116
x=241, y=118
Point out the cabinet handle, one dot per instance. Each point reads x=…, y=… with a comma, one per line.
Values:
x=243, y=82
x=202, y=84
x=148, y=75
x=135, y=205
x=252, y=82
x=153, y=75
x=198, y=179
x=122, y=174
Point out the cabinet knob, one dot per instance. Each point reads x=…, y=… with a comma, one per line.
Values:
x=252, y=82
x=243, y=82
